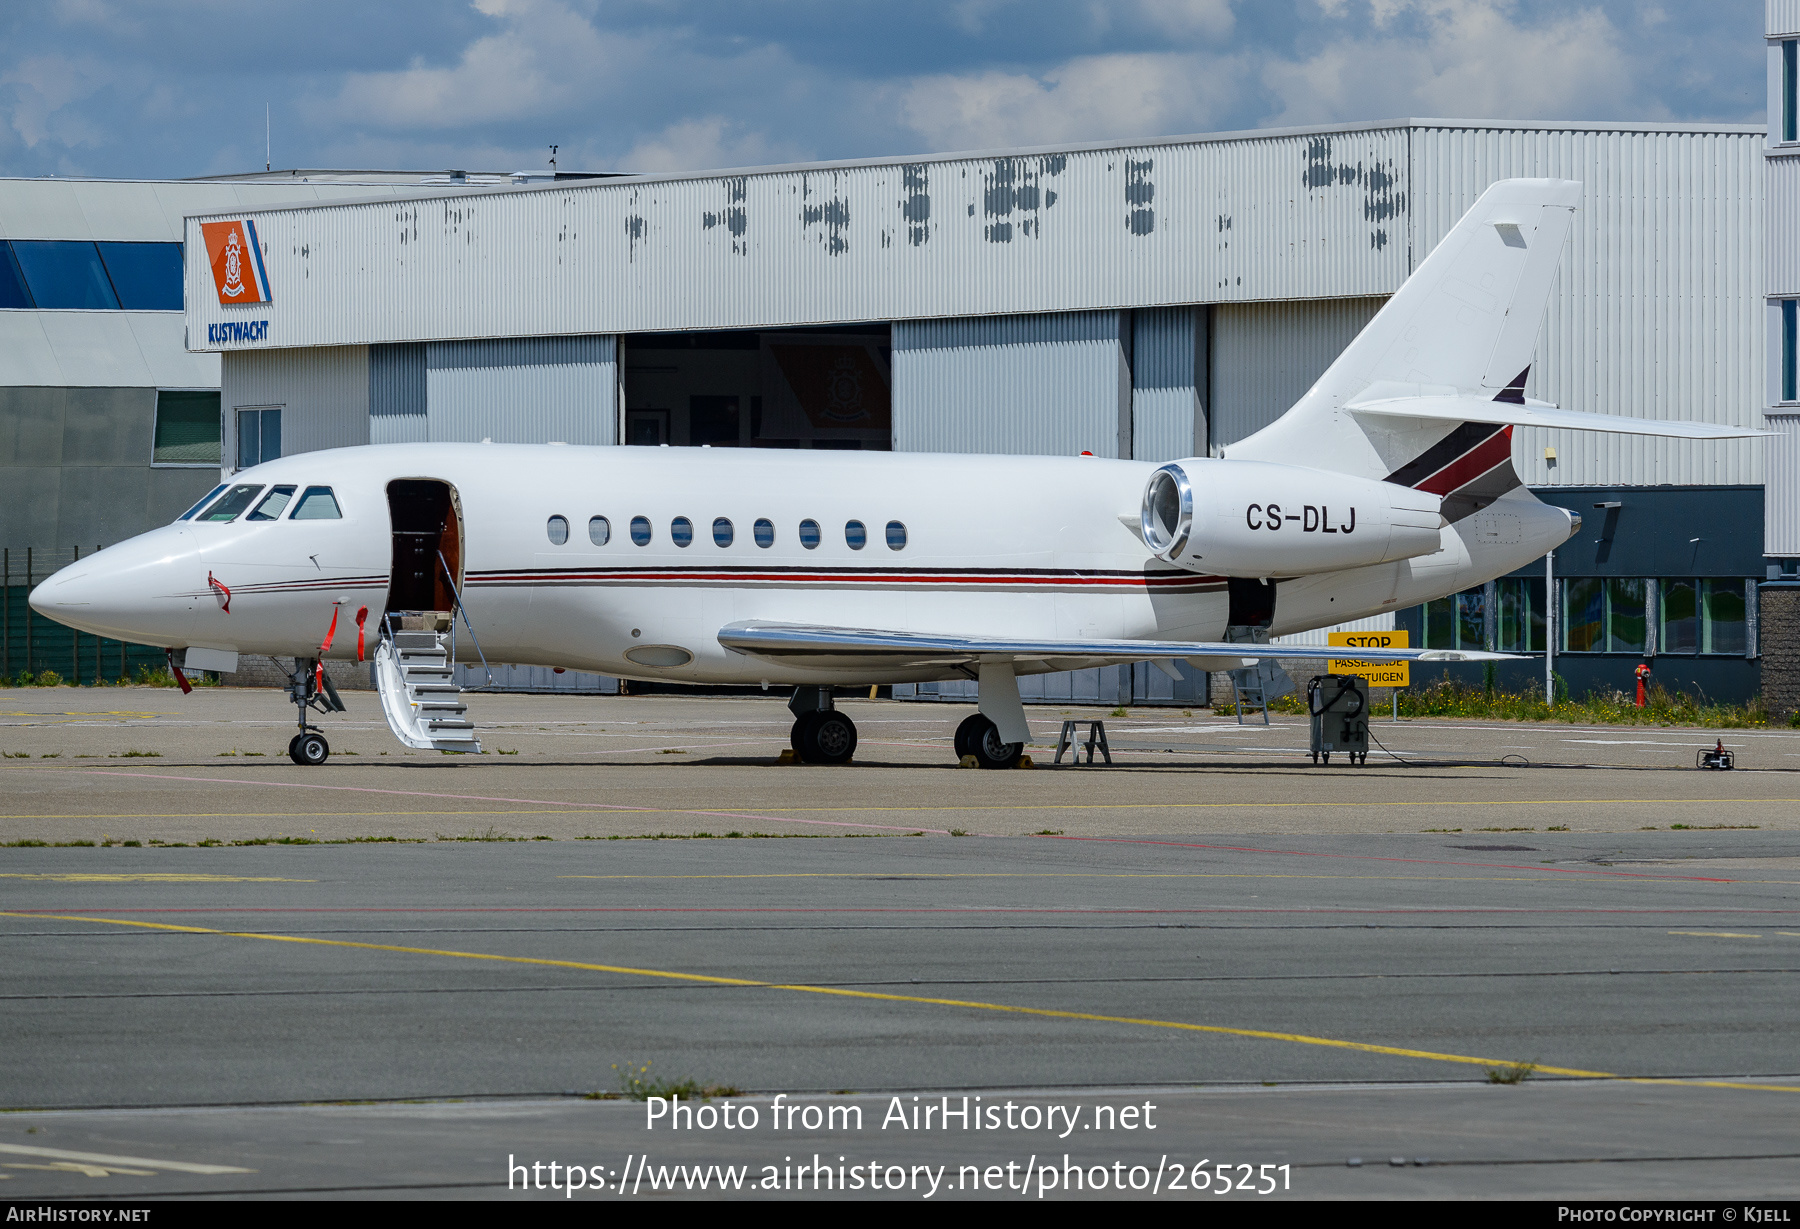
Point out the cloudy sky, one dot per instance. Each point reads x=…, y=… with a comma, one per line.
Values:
x=178, y=87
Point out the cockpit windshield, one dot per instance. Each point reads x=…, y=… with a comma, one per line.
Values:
x=318, y=504
x=270, y=508
x=233, y=504
x=209, y=497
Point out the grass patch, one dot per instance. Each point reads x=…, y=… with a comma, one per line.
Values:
x=491, y=833
x=638, y=1083
x=1710, y=827
x=1506, y=829
x=1443, y=829
x=673, y=751
x=1048, y=832
x=1512, y=1073
x=1557, y=828
x=959, y=832
x=1118, y=712
x=497, y=751
x=16, y=755
x=51, y=755
x=1448, y=697
x=139, y=755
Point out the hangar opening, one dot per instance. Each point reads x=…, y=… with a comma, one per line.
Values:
x=772, y=388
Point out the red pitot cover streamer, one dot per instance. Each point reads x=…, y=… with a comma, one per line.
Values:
x=221, y=587
x=361, y=618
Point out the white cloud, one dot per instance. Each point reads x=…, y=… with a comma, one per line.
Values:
x=1090, y=98
x=1473, y=59
x=43, y=89
x=1185, y=19
x=710, y=143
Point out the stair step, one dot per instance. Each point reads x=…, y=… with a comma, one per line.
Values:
x=449, y=723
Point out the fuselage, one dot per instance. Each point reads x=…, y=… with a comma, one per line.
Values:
x=661, y=548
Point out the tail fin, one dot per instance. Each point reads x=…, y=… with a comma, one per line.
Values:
x=1463, y=325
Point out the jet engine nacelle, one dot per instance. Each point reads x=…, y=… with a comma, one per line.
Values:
x=1257, y=518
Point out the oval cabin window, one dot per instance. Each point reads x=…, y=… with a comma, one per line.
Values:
x=723, y=532
x=640, y=530
x=896, y=535
x=599, y=530
x=809, y=534
x=765, y=533
x=856, y=534
x=681, y=531
x=558, y=529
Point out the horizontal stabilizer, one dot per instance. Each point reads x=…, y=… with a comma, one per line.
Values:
x=866, y=647
x=1477, y=409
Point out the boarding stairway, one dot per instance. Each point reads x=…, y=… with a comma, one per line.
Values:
x=419, y=695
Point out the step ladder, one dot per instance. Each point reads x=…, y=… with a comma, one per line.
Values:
x=419, y=695
x=1252, y=687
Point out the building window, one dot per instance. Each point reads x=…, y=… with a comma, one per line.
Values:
x=65, y=276
x=1605, y=614
x=1789, y=392
x=187, y=428
x=1790, y=115
x=12, y=281
x=1521, y=615
x=1454, y=622
x=1680, y=630
x=258, y=436
x=1725, y=625
x=145, y=276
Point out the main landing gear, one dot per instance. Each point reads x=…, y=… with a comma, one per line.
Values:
x=310, y=688
x=821, y=734
x=980, y=737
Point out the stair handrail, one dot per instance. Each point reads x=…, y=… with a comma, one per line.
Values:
x=451, y=577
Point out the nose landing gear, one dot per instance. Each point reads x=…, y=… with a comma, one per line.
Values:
x=309, y=687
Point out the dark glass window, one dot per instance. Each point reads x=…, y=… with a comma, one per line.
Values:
x=1790, y=114
x=234, y=503
x=1521, y=615
x=1725, y=624
x=1625, y=615
x=681, y=531
x=765, y=533
x=599, y=530
x=272, y=504
x=809, y=534
x=258, y=436
x=317, y=504
x=640, y=530
x=1470, y=611
x=856, y=534
x=896, y=535
x=187, y=428
x=722, y=532
x=1788, y=390
x=147, y=276
x=1584, y=615
x=557, y=530
x=1680, y=617
x=65, y=275
x=12, y=282
x=189, y=514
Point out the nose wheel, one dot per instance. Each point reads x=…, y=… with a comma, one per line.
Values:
x=309, y=748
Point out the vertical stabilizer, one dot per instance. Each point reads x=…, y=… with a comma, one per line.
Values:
x=1464, y=324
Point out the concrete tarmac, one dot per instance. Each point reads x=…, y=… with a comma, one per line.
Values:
x=1283, y=958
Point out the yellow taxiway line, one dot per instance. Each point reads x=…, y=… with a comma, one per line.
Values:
x=878, y=996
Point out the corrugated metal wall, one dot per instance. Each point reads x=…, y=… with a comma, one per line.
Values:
x=1168, y=382
x=532, y=390
x=1781, y=503
x=1266, y=355
x=323, y=392
x=1657, y=310
x=1782, y=17
x=1781, y=266
x=397, y=394
x=1049, y=385
x=1301, y=214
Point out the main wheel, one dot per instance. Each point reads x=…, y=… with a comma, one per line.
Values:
x=983, y=742
x=970, y=730
x=309, y=749
x=829, y=738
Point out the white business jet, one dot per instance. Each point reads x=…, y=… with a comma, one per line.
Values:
x=1388, y=484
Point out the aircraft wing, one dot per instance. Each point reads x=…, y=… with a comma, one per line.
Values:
x=863, y=647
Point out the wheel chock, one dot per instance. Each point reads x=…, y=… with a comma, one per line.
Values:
x=787, y=756
x=1024, y=762
x=969, y=761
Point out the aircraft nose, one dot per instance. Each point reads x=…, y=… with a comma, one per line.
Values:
x=118, y=592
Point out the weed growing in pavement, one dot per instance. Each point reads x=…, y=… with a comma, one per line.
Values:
x=1711, y=827
x=16, y=755
x=637, y=1084
x=139, y=755
x=1118, y=712
x=1512, y=1073
x=1448, y=697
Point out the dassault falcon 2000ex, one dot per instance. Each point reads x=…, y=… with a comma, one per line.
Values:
x=1388, y=484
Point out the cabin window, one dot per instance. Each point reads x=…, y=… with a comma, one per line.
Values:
x=896, y=535
x=856, y=534
x=765, y=533
x=210, y=496
x=681, y=531
x=557, y=530
x=722, y=532
x=272, y=504
x=640, y=530
x=236, y=500
x=599, y=530
x=809, y=534
x=317, y=504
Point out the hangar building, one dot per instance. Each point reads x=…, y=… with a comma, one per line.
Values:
x=1152, y=300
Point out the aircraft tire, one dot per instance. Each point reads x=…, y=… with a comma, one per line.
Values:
x=309, y=749
x=827, y=738
x=966, y=734
x=983, y=742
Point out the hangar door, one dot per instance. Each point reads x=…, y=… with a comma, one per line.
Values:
x=519, y=390
x=1266, y=355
